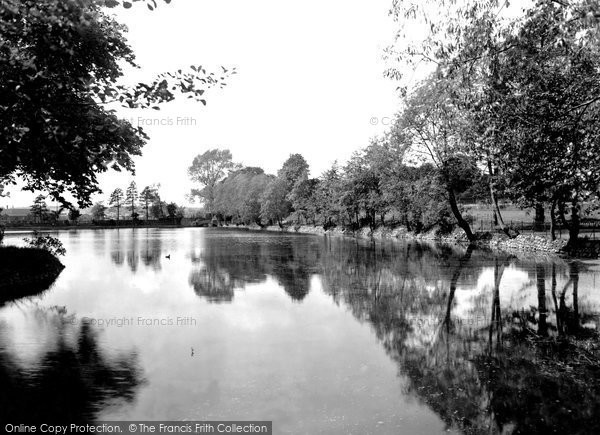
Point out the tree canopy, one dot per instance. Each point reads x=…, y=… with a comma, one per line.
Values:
x=60, y=64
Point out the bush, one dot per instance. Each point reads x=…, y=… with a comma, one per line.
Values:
x=46, y=242
x=26, y=272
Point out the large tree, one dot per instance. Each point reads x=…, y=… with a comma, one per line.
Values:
x=237, y=197
x=116, y=200
x=431, y=123
x=293, y=170
x=549, y=95
x=131, y=197
x=274, y=205
x=208, y=169
x=60, y=62
x=148, y=196
x=327, y=197
x=527, y=84
x=39, y=209
x=98, y=211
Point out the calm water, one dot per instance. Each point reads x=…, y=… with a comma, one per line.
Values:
x=319, y=335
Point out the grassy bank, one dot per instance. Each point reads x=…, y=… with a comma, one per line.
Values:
x=26, y=272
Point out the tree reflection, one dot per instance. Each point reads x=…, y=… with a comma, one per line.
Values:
x=512, y=370
x=226, y=264
x=71, y=382
x=151, y=251
x=134, y=246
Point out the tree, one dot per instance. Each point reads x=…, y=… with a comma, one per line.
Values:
x=131, y=198
x=327, y=197
x=238, y=196
x=74, y=215
x=171, y=209
x=148, y=195
x=293, y=170
x=276, y=202
x=303, y=200
x=274, y=205
x=157, y=209
x=207, y=169
x=551, y=111
x=529, y=85
x=116, y=199
x=59, y=65
x=174, y=211
x=98, y=211
x=39, y=209
x=431, y=123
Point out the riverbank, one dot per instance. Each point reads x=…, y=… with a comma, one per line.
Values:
x=522, y=244
x=26, y=272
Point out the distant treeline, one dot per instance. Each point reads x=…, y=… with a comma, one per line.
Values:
x=374, y=188
x=511, y=107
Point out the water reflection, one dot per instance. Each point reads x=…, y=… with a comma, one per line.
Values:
x=70, y=379
x=481, y=365
x=363, y=337
x=131, y=246
x=224, y=264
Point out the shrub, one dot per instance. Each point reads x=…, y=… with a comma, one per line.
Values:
x=46, y=242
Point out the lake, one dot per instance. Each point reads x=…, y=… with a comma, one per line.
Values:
x=318, y=334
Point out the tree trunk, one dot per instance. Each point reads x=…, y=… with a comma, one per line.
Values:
x=553, y=220
x=497, y=214
x=561, y=214
x=540, y=218
x=462, y=223
x=574, y=228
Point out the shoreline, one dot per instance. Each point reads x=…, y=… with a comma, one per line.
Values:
x=26, y=271
x=49, y=228
x=522, y=244
x=531, y=244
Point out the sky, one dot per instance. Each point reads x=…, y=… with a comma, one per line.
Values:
x=310, y=81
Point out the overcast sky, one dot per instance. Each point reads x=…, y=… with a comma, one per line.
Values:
x=310, y=80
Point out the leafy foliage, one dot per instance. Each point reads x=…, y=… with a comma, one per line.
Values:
x=116, y=200
x=98, y=211
x=60, y=62
x=74, y=214
x=238, y=196
x=46, y=242
x=131, y=196
x=39, y=209
x=207, y=169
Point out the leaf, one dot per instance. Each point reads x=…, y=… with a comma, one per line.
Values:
x=127, y=5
